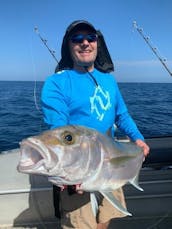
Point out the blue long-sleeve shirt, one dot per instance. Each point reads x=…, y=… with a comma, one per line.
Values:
x=71, y=97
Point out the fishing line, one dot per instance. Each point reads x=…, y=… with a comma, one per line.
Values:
x=52, y=52
x=35, y=81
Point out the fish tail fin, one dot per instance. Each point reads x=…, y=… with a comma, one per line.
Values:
x=135, y=183
x=110, y=197
x=94, y=203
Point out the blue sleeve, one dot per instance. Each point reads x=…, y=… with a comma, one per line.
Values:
x=126, y=124
x=124, y=121
x=54, y=102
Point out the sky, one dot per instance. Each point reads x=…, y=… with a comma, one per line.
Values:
x=24, y=57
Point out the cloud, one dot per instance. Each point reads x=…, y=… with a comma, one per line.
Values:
x=142, y=71
x=141, y=63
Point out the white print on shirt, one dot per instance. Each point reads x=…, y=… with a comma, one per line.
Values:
x=60, y=72
x=100, y=102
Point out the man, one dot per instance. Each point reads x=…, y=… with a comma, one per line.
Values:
x=83, y=92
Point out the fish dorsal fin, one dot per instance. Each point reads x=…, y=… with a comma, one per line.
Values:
x=94, y=203
x=121, y=160
x=135, y=182
x=110, y=197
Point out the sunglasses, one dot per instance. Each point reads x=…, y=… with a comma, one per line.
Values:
x=79, y=38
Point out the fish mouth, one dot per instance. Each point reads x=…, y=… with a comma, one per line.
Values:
x=32, y=156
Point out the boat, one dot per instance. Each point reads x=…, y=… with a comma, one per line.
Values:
x=26, y=200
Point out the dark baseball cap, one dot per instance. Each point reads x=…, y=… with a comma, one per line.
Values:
x=80, y=25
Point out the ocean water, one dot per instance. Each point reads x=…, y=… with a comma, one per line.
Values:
x=150, y=105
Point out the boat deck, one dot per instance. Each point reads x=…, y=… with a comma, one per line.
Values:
x=26, y=200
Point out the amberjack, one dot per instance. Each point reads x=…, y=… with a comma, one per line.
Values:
x=74, y=154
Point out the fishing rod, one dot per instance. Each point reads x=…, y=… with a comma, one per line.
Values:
x=52, y=52
x=147, y=39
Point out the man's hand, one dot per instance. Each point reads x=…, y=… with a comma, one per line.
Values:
x=143, y=145
x=78, y=189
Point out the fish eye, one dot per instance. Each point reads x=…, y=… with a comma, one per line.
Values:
x=68, y=138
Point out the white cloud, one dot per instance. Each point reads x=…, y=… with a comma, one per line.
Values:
x=141, y=63
x=142, y=71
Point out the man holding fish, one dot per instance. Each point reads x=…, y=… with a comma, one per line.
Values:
x=83, y=92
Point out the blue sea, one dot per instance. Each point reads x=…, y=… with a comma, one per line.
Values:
x=150, y=105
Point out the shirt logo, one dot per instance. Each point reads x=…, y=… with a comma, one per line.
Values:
x=100, y=102
x=60, y=72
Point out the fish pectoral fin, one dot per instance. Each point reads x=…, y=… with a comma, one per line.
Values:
x=135, y=182
x=121, y=160
x=110, y=197
x=94, y=203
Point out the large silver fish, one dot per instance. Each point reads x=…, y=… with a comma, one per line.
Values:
x=78, y=155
